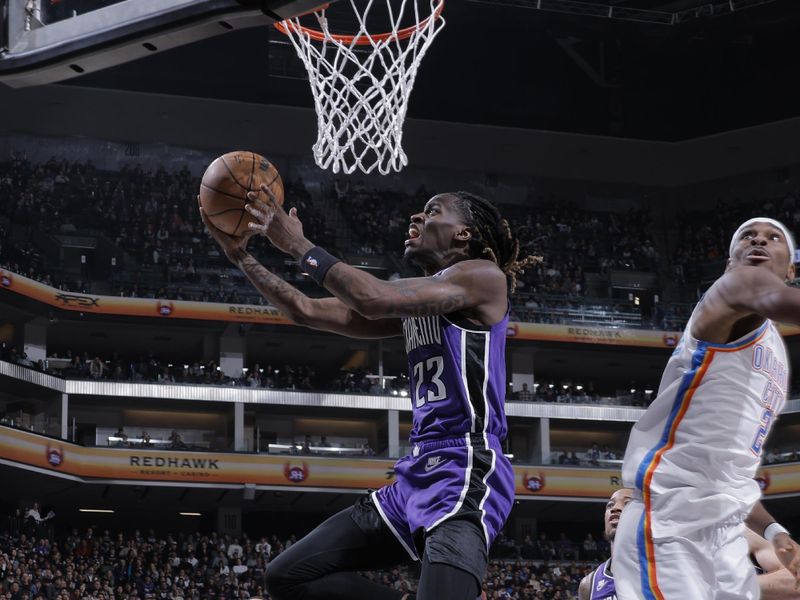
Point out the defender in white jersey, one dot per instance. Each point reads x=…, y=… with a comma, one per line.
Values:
x=693, y=455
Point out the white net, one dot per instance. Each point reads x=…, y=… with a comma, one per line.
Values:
x=361, y=82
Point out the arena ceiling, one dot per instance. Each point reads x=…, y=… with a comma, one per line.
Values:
x=503, y=62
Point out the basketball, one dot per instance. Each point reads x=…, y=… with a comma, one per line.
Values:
x=224, y=187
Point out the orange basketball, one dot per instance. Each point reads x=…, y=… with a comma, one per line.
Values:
x=224, y=187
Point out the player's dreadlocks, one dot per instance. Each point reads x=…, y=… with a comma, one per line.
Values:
x=492, y=238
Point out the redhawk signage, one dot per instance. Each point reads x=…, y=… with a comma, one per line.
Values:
x=27, y=449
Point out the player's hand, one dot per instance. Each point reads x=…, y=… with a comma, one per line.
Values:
x=234, y=246
x=284, y=230
x=788, y=552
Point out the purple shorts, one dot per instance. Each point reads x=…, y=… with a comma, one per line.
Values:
x=450, y=478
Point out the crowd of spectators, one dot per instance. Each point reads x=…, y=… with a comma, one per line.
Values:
x=595, y=456
x=175, y=441
x=323, y=447
x=152, y=369
x=571, y=240
x=574, y=241
x=151, y=216
x=775, y=456
x=705, y=235
x=101, y=565
x=569, y=392
x=301, y=377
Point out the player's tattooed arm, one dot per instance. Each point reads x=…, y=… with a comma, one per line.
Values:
x=327, y=314
x=416, y=297
x=463, y=286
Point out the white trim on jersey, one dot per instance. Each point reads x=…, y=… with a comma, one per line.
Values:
x=486, y=345
x=464, y=490
x=465, y=383
x=486, y=496
x=486, y=371
x=400, y=539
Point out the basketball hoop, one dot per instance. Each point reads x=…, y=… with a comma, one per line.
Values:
x=361, y=82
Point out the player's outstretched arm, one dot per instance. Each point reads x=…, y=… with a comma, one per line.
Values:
x=326, y=314
x=469, y=284
x=776, y=582
x=461, y=287
x=748, y=290
x=785, y=548
x=778, y=585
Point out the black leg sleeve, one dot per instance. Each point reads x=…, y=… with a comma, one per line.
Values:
x=319, y=565
x=440, y=580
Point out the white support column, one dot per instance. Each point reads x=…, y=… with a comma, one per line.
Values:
x=35, y=339
x=393, y=422
x=231, y=351
x=64, y=416
x=238, y=427
x=542, y=448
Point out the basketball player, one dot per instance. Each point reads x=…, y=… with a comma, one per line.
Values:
x=599, y=584
x=453, y=493
x=774, y=580
x=692, y=457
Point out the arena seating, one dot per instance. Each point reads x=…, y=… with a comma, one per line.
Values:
x=144, y=565
x=150, y=219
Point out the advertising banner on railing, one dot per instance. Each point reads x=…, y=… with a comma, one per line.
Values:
x=29, y=450
x=216, y=311
x=138, y=307
x=593, y=334
x=245, y=313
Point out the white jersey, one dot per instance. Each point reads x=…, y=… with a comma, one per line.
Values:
x=695, y=452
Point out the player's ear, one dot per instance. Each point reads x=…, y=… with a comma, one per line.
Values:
x=464, y=234
x=791, y=274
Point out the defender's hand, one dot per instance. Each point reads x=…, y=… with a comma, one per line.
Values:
x=788, y=552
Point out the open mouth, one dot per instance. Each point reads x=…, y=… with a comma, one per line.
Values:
x=757, y=255
x=413, y=234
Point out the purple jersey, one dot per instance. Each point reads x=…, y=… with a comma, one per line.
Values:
x=457, y=372
x=457, y=469
x=603, y=587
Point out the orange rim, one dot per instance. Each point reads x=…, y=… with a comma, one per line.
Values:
x=358, y=40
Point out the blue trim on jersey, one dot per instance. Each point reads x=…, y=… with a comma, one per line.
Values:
x=686, y=383
x=644, y=573
x=743, y=342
